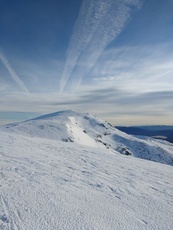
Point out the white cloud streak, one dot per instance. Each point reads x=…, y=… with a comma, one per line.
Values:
x=12, y=73
x=136, y=68
x=99, y=22
x=118, y=104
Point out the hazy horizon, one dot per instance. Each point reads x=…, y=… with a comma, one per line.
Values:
x=12, y=117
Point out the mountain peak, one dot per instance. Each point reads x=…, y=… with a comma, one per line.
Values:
x=64, y=113
x=87, y=130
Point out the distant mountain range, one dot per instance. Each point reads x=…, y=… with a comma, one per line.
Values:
x=159, y=132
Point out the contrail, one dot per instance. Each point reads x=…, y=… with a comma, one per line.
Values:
x=12, y=73
x=99, y=22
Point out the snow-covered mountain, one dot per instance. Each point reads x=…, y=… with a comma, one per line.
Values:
x=64, y=171
x=87, y=130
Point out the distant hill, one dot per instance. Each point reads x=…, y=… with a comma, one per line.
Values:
x=87, y=130
x=66, y=171
x=159, y=132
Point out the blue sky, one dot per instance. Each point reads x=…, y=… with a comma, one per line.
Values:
x=110, y=58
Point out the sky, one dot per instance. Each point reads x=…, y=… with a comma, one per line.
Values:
x=113, y=59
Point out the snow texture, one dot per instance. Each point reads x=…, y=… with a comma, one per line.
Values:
x=85, y=129
x=47, y=183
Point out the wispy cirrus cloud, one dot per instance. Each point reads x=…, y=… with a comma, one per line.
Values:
x=146, y=68
x=103, y=78
x=12, y=73
x=99, y=22
x=117, y=104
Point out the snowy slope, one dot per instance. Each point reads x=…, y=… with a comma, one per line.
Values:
x=49, y=184
x=87, y=130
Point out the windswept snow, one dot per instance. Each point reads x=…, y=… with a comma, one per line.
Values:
x=66, y=171
x=80, y=137
x=87, y=130
x=50, y=184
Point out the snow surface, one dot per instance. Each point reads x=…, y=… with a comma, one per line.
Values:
x=85, y=129
x=47, y=183
x=80, y=137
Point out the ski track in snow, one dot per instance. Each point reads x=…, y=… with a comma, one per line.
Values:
x=48, y=184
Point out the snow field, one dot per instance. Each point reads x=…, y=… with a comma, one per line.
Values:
x=87, y=130
x=49, y=184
